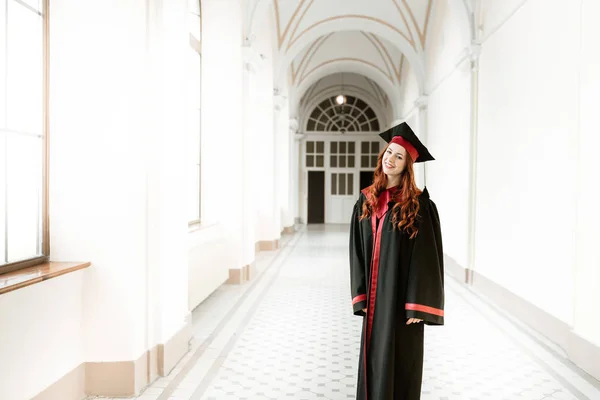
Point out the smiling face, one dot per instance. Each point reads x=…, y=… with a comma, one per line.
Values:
x=394, y=160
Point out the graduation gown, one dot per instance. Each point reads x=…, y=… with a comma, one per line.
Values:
x=395, y=278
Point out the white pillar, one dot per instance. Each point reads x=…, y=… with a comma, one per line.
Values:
x=420, y=129
x=222, y=116
x=282, y=134
x=250, y=151
x=268, y=213
x=166, y=134
x=293, y=191
x=301, y=186
x=97, y=167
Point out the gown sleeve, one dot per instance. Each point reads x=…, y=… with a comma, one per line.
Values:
x=425, y=292
x=358, y=286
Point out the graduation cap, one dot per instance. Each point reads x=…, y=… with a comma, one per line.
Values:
x=405, y=137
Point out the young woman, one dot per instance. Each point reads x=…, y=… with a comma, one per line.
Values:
x=396, y=271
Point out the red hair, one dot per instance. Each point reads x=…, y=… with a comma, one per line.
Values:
x=406, y=199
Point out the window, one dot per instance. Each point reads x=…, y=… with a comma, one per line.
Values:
x=194, y=88
x=23, y=145
x=342, y=184
x=353, y=116
x=342, y=155
x=315, y=154
x=369, y=152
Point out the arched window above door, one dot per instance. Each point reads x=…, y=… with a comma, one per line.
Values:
x=354, y=115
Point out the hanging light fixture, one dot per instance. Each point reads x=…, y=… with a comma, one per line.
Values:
x=341, y=99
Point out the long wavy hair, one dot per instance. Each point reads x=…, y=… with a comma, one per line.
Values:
x=406, y=198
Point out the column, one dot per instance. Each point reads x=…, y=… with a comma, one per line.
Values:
x=293, y=172
x=250, y=150
x=98, y=176
x=222, y=117
x=166, y=133
x=421, y=131
x=284, y=141
x=268, y=214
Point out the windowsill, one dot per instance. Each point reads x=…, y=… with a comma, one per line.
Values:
x=28, y=276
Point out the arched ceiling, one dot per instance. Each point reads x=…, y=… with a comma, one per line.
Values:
x=389, y=33
x=316, y=38
x=367, y=48
x=408, y=18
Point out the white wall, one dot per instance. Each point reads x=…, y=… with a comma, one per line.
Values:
x=209, y=262
x=448, y=176
x=448, y=118
x=530, y=151
x=536, y=207
x=587, y=274
x=526, y=191
x=41, y=335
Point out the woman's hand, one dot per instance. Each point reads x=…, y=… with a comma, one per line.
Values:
x=413, y=321
x=365, y=310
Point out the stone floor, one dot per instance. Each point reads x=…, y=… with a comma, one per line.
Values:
x=290, y=334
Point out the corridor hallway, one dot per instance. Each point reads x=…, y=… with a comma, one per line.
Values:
x=290, y=334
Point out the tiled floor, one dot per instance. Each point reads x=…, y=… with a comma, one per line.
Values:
x=290, y=334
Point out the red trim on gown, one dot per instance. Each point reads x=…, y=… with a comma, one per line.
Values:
x=377, y=227
x=359, y=298
x=427, y=309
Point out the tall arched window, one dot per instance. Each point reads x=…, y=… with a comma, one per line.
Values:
x=354, y=115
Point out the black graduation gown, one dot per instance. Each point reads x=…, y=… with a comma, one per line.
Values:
x=395, y=278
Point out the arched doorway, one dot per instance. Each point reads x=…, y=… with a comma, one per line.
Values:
x=339, y=156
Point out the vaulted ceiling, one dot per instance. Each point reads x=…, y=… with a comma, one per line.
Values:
x=377, y=39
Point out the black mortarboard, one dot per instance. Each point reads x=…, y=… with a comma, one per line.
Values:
x=407, y=138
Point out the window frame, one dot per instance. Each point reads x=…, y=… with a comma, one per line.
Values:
x=45, y=237
x=326, y=116
x=196, y=46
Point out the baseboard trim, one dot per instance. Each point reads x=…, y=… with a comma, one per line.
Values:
x=69, y=387
x=116, y=378
x=251, y=271
x=121, y=378
x=289, y=230
x=238, y=276
x=174, y=349
x=268, y=245
x=454, y=269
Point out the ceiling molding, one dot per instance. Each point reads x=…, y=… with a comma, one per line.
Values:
x=378, y=91
x=412, y=38
x=308, y=56
x=385, y=61
x=280, y=37
x=298, y=24
x=422, y=33
x=350, y=16
x=385, y=50
x=351, y=59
